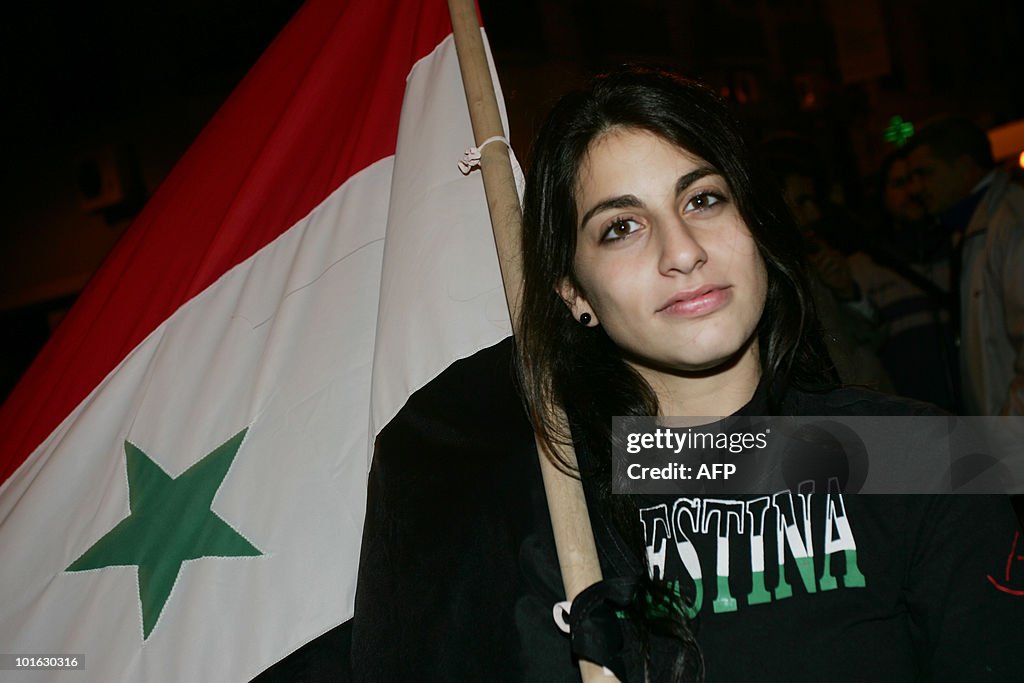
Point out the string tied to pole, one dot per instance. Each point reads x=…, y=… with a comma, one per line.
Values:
x=471, y=157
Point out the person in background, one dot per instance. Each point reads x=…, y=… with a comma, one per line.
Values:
x=953, y=175
x=853, y=333
x=904, y=273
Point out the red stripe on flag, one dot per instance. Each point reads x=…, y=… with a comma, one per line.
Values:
x=320, y=105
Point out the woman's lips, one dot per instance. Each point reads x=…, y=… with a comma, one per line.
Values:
x=698, y=302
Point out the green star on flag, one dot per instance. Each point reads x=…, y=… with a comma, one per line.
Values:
x=170, y=522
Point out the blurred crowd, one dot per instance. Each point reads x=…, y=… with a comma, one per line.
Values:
x=920, y=288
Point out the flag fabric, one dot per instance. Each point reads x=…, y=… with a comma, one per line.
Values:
x=184, y=466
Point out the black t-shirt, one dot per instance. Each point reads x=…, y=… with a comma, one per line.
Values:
x=816, y=585
x=833, y=587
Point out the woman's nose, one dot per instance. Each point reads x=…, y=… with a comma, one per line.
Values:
x=680, y=249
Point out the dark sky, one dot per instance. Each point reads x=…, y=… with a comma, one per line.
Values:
x=71, y=67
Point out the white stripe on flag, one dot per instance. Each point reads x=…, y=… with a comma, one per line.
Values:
x=441, y=294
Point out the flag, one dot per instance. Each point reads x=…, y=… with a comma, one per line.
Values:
x=184, y=465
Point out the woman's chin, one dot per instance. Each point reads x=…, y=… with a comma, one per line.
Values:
x=705, y=362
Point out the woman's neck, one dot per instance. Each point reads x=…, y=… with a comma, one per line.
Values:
x=713, y=393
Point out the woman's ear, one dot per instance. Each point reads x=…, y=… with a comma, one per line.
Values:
x=577, y=303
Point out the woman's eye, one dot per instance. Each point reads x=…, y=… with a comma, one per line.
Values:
x=619, y=228
x=703, y=201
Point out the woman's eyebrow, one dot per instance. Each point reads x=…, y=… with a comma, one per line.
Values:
x=626, y=201
x=693, y=176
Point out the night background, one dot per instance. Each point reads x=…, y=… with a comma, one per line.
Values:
x=102, y=98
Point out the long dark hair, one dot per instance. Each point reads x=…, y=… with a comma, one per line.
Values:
x=579, y=367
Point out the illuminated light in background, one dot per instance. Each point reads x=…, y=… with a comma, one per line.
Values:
x=1020, y=160
x=1007, y=140
x=899, y=131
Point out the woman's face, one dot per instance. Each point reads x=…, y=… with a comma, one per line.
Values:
x=663, y=259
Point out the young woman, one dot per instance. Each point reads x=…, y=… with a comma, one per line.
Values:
x=663, y=277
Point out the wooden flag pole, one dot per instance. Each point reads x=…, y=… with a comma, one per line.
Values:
x=574, y=538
